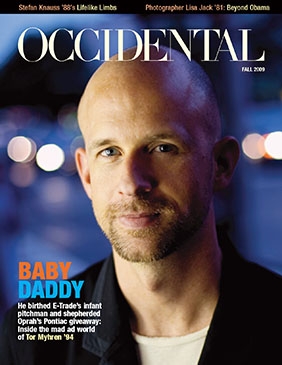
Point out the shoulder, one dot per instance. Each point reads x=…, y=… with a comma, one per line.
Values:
x=264, y=283
x=254, y=289
x=239, y=270
x=247, y=280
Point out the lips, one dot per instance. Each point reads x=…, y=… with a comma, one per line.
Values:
x=138, y=220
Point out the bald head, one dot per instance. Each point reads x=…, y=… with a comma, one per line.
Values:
x=181, y=83
x=152, y=158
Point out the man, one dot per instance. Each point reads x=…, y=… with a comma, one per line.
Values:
x=174, y=290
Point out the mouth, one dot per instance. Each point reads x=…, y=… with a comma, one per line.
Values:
x=138, y=220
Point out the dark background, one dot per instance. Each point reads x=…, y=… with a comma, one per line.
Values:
x=45, y=216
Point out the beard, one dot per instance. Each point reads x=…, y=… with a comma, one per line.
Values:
x=168, y=230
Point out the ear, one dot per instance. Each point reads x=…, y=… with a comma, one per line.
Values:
x=226, y=155
x=83, y=170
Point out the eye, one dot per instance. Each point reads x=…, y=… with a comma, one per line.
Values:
x=166, y=148
x=110, y=152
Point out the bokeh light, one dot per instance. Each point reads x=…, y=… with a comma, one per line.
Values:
x=253, y=146
x=50, y=157
x=22, y=175
x=273, y=145
x=268, y=146
x=21, y=149
x=67, y=117
x=55, y=190
x=76, y=143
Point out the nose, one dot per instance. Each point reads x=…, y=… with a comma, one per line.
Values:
x=136, y=177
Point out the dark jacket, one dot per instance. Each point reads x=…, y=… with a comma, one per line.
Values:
x=245, y=329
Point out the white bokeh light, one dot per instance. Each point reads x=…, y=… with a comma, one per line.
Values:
x=273, y=145
x=50, y=157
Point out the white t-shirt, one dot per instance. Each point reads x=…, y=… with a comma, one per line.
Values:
x=182, y=350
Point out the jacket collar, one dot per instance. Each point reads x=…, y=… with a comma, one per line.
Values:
x=228, y=341
x=114, y=333
x=113, y=342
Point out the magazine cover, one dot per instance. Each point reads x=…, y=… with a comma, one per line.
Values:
x=140, y=183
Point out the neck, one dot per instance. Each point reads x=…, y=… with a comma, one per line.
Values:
x=176, y=295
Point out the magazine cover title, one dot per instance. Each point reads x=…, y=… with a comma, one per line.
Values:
x=214, y=43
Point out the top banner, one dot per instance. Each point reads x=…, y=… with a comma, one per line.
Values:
x=143, y=7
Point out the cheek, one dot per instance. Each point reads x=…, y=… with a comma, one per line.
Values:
x=177, y=184
x=101, y=190
x=189, y=183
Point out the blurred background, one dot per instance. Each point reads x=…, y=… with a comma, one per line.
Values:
x=44, y=213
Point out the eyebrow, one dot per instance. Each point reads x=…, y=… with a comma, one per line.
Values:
x=101, y=143
x=160, y=136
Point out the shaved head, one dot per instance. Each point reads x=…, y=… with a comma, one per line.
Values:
x=181, y=82
x=152, y=156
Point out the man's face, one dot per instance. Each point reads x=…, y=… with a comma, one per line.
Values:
x=150, y=170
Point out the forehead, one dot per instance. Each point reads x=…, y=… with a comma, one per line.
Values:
x=129, y=95
x=139, y=114
x=137, y=82
x=138, y=96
